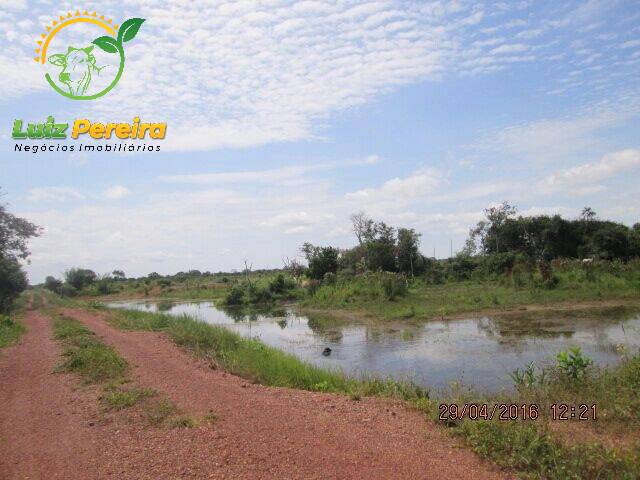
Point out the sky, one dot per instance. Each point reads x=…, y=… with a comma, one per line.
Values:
x=285, y=117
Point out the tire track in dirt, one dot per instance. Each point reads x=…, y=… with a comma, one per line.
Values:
x=43, y=428
x=266, y=432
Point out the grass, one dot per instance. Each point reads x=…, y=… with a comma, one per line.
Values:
x=426, y=301
x=97, y=363
x=535, y=453
x=119, y=399
x=570, y=449
x=86, y=356
x=253, y=360
x=11, y=330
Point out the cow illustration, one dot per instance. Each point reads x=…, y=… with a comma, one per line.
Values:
x=78, y=65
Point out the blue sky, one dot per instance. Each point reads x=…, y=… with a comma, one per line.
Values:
x=284, y=117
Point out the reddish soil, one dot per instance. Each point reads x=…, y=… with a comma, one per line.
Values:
x=49, y=428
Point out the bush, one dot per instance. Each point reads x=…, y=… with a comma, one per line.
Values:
x=235, y=296
x=281, y=285
x=573, y=363
x=68, y=290
x=103, y=286
x=52, y=284
x=393, y=285
x=80, y=277
x=13, y=281
x=257, y=295
x=329, y=278
x=434, y=272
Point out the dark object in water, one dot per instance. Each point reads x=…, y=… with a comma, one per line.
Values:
x=326, y=352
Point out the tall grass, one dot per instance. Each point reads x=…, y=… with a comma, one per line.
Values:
x=609, y=281
x=550, y=449
x=11, y=329
x=254, y=360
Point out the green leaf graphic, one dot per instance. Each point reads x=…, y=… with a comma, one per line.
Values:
x=129, y=29
x=108, y=44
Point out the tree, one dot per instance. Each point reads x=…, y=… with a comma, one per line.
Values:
x=118, y=275
x=53, y=284
x=294, y=268
x=14, y=235
x=13, y=281
x=408, y=253
x=363, y=227
x=321, y=260
x=587, y=214
x=80, y=277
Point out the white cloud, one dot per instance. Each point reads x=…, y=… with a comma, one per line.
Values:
x=116, y=192
x=548, y=140
x=269, y=72
x=53, y=194
x=420, y=183
x=273, y=175
x=583, y=177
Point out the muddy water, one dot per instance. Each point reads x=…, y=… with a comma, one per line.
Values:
x=479, y=352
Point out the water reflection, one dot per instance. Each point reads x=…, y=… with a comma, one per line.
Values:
x=478, y=351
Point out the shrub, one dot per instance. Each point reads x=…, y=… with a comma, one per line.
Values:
x=573, y=363
x=68, y=290
x=80, y=277
x=330, y=278
x=393, y=285
x=280, y=285
x=13, y=281
x=52, y=284
x=235, y=296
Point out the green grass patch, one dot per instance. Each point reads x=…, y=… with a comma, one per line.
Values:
x=537, y=454
x=11, y=330
x=425, y=300
x=86, y=356
x=539, y=449
x=119, y=399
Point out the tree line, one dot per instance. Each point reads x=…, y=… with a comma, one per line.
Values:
x=499, y=241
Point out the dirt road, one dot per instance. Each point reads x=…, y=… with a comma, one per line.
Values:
x=49, y=428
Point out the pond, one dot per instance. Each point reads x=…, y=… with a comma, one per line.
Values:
x=478, y=352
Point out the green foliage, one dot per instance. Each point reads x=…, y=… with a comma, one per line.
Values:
x=119, y=399
x=521, y=446
x=92, y=360
x=408, y=256
x=10, y=330
x=235, y=296
x=79, y=278
x=532, y=448
x=13, y=281
x=321, y=260
x=67, y=290
x=103, y=286
x=261, y=291
x=544, y=237
x=53, y=284
x=573, y=363
x=385, y=286
x=527, y=377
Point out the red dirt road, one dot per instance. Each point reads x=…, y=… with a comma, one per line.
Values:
x=49, y=430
